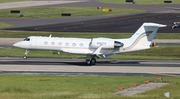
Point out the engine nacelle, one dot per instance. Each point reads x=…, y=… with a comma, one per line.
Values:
x=118, y=44
x=106, y=43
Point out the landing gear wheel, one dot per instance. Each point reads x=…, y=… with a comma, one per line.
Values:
x=25, y=57
x=93, y=61
x=88, y=62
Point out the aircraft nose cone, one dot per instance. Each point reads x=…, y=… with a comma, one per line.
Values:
x=16, y=45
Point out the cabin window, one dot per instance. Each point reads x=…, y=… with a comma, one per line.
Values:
x=74, y=44
x=59, y=43
x=45, y=42
x=52, y=43
x=81, y=45
x=26, y=39
x=67, y=44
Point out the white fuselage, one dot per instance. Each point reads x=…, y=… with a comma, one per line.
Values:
x=70, y=45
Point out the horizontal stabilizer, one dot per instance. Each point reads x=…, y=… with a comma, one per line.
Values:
x=154, y=25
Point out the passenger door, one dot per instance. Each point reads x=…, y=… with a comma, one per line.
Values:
x=33, y=43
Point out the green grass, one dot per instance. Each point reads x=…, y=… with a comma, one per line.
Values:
x=138, y=1
x=160, y=53
x=5, y=1
x=23, y=34
x=3, y=25
x=154, y=53
x=55, y=12
x=79, y=87
x=168, y=52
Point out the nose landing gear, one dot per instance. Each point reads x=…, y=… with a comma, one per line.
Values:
x=26, y=53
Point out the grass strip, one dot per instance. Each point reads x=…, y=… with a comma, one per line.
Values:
x=3, y=25
x=80, y=87
x=160, y=53
x=55, y=12
x=24, y=34
x=139, y=1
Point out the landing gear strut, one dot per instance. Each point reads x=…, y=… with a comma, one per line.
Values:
x=91, y=59
x=26, y=53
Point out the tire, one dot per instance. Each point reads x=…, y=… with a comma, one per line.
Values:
x=88, y=62
x=25, y=57
x=93, y=61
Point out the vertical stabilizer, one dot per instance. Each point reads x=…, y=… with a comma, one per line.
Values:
x=143, y=37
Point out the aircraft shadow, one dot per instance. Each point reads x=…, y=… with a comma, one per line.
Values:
x=79, y=63
x=99, y=63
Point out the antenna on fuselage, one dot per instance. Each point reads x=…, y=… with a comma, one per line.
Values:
x=50, y=35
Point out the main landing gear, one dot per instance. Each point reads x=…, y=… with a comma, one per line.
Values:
x=26, y=53
x=91, y=59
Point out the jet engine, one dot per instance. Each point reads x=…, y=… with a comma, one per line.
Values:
x=106, y=43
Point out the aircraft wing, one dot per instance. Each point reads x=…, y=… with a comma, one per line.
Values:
x=96, y=52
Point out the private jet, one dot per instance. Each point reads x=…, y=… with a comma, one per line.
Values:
x=176, y=25
x=93, y=47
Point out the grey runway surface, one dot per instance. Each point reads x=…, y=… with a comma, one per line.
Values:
x=33, y=3
x=78, y=66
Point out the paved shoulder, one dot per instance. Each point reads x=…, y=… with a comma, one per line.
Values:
x=35, y=3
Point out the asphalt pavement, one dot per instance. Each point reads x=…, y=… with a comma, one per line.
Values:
x=78, y=66
x=122, y=24
x=20, y=4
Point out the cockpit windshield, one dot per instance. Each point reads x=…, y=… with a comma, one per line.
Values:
x=26, y=39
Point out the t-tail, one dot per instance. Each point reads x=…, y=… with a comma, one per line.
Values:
x=143, y=37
